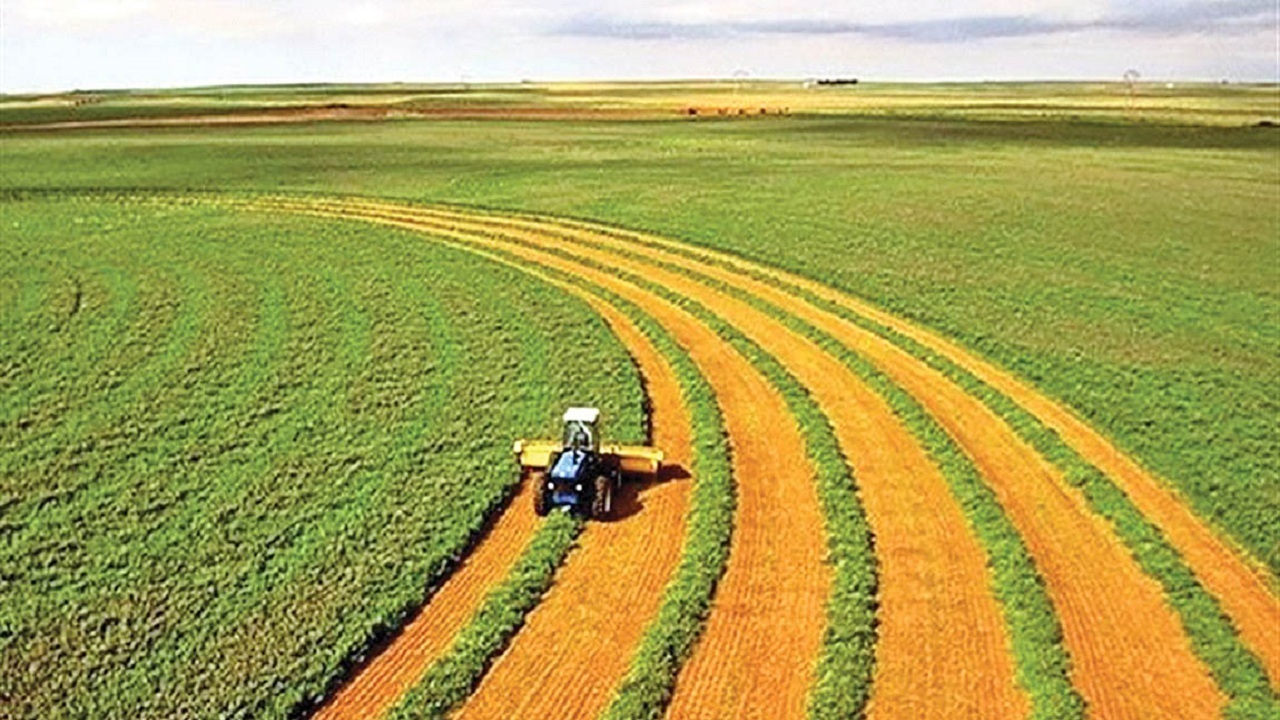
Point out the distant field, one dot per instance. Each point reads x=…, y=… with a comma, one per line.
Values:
x=1118, y=253
x=1171, y=103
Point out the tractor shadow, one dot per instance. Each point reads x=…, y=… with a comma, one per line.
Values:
x=629, y=503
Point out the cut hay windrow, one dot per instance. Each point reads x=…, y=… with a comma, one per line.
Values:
x=1241, y=584
x=787, y=647
x=1174, y=633
x=914, y=484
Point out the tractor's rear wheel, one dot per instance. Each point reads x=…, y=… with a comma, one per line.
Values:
x=541, y=498
x=602, y=503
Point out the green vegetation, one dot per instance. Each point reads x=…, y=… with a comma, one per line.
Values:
x=1124, y=268
x=1184, y=103
x=450, y=680
x=223, y=433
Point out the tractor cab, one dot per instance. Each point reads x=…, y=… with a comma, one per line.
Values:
x=580, y=429
x=576, y=478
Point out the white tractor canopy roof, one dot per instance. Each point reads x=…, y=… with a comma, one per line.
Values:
x=586, y=415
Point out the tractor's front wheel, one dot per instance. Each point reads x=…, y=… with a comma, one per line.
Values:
x=602, y=503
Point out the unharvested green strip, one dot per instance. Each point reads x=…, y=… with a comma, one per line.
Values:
x=450, y=680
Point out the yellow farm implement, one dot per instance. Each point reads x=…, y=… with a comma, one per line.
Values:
x=579, y=472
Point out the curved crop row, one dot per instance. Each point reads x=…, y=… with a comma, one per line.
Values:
x=708, y=642
x=1203, y=654
x=1243, y=587
x=1236, y=669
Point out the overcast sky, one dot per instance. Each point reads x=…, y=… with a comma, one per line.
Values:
x=65, y=44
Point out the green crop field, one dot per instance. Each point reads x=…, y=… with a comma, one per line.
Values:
x=222, y=432
x=238, y=442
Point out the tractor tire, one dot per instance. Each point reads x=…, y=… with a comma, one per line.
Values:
x=602, y=502
x=541, y=498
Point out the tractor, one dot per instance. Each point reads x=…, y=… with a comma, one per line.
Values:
x=579, y=473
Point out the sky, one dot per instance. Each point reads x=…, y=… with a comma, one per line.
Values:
x=50, y=45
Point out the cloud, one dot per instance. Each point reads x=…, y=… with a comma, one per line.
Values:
x=80, y=12
x=239, y=19
x=1195, y=18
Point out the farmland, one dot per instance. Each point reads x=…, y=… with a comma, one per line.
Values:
x=260, y=383
x=125, y=463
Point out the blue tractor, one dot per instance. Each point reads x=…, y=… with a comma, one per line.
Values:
x=579, y=474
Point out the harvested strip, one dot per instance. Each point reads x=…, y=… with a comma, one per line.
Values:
x=450, y=681
x=380, y=683
x=771, y=648
x=1114, y=616
x=574, y=647
x=668, y=641
x=646, y=546
x=760, y=652
x=1241, y=585
x=927, y=649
